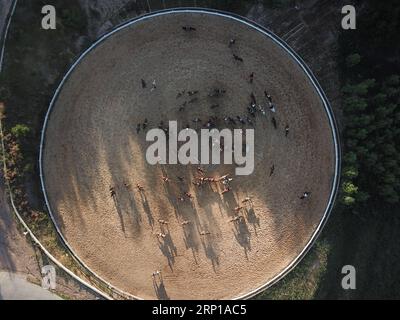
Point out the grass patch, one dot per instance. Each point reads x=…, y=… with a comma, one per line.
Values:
x=303, y=282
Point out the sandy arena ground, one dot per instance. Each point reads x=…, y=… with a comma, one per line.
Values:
x=92, y=144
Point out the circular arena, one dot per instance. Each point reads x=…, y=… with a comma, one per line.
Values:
x=180, y=231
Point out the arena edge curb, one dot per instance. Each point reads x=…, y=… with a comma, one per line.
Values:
x=297, y=59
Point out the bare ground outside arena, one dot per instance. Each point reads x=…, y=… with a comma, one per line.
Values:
x=91, y=144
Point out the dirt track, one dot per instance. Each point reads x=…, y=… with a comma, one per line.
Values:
x=91, y=143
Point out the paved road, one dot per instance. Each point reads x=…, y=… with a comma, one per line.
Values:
x=5, y=6
x=17, y=257
x=16, y=253
x=5, y=9
x=16, y=287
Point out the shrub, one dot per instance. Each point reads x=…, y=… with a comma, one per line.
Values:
x=20, y=131
x=353, y=60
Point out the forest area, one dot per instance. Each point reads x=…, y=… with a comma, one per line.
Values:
x=371, y=95
x=364, y=228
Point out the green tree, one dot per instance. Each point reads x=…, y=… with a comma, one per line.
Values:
x=20, y=131
x=353, y=60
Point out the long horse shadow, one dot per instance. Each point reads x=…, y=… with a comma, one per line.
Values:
x=253, y=219
x=190, y=241
x=147, y=209
x=242, y=235
x=168, y=248
x=119, y=211
x=160, y=290
x=230, y=202
x=210, y=252
x=127, y=210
